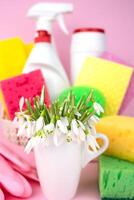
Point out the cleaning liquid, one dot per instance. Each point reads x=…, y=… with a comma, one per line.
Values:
x=44, y=55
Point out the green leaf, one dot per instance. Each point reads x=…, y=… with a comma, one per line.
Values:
x=29, y=107
x=81, y=102
x=36, y=106
x=89, y=97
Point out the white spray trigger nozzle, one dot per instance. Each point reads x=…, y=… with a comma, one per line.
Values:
x=46, y=13
x=60, y=19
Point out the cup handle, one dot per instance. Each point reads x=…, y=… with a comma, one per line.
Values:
x=90, y=155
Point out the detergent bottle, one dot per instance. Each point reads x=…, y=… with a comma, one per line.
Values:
x=86, y=42
x=44, y=55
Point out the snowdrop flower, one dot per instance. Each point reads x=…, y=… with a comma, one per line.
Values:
x=41, y=130
x=81, y=124
x=21, y=114
x=74, y=127
x=30, y=128
x=65, y=121
x=94, y=119
x=22, y=129
x=98, y=108
x=39, y=124
x=78, y=128
x=18, y=122
x=26, y=129
x=49, y=128
x=78, y=114
x=33, y=142
x=29, y=145
x=62, y=125
x=21, y=103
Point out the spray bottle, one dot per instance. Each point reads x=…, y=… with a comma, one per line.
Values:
x=44, y=55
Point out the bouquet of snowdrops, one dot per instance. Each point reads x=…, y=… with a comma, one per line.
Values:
x=60, y=122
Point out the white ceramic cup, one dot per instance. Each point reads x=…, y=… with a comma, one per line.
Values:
x=85, y=42
x=59, y=167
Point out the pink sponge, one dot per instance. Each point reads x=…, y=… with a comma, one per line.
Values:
x=129, y=110
x=26, y=85
x=128, y=98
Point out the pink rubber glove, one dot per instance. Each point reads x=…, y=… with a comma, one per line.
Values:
x=12, y=181
x=14, y=163
x=1, y=195
x=22, y=162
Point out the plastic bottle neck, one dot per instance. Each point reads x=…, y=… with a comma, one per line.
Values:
x=43, y=36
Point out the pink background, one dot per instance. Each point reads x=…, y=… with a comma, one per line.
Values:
x=116, y=16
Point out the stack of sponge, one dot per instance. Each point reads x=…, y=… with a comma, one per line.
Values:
x=116, y=179
x=14, y=84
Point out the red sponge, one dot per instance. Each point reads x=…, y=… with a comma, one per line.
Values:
x=26, y=85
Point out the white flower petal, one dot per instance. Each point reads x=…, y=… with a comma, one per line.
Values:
x=21, y=103
x=65, y=121
x=78, y=114
x=22, y=129
x=39, y=123
x=26, y=116
x=29, y=146
x=62, y=127
x=94, y=118
x=98, y=108
x=30, y=129
x=49, y=127
x=81, y=124
x=74, y=127
x=42, y=96
x=21, y=121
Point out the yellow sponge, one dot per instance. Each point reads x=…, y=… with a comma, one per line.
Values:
x=110, y=78
x=120, y=131
x=12, y=57
x=28, y=48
